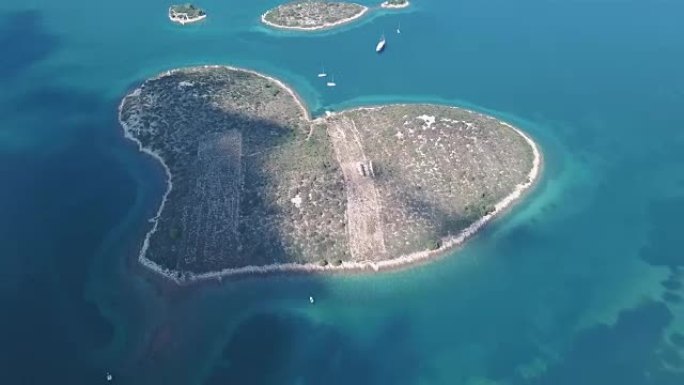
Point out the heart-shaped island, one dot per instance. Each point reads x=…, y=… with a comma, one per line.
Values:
x=255, y=185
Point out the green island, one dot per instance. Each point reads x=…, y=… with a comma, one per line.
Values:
x=186, y=13
x=311, y=15
x=395, y=4
x=256, y=185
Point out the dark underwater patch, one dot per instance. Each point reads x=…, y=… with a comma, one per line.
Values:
x=24, y=42
x=286, y=348
x=672, y=298
x=671, y=284
x=630, y=352
x=677, y=339
x=663, y=247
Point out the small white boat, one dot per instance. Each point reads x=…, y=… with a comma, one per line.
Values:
x=381, y=44
x=109, y=376
x=331, y=83
x=322, y=74
x=399, y=28
x=311, y=299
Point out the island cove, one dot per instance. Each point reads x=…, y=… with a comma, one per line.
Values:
x=313, y=15
x=256, y=185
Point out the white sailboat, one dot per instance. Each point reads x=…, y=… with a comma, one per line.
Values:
x=322, y=74
x=381, y=44
x=331, y=83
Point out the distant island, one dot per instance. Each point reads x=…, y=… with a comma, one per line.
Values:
x=255, y=185
x=186, y=13
x=395, y=4
x=312, y=15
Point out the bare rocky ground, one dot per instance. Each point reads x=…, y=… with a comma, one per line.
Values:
x=312, y=14
x=255, y=182
x=434, y=171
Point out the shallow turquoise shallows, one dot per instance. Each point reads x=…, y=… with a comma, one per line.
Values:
x=579, y=284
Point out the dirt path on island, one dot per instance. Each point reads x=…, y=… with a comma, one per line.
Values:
x=364, y=227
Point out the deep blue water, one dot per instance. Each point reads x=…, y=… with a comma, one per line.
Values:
x=580, y=284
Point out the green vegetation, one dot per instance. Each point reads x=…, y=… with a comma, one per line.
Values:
x=312, y=14
x=255, y=182
x=432, y=244
x=174, y=233
x=190, y=10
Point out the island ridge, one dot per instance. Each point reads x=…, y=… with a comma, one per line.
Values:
x=256, y=185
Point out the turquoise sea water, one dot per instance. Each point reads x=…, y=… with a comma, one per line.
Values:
x=580, y=284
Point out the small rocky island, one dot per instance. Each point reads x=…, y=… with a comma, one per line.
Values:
x=311, y=15
x=395, y=4
x=186, y=13
x=255, y=185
